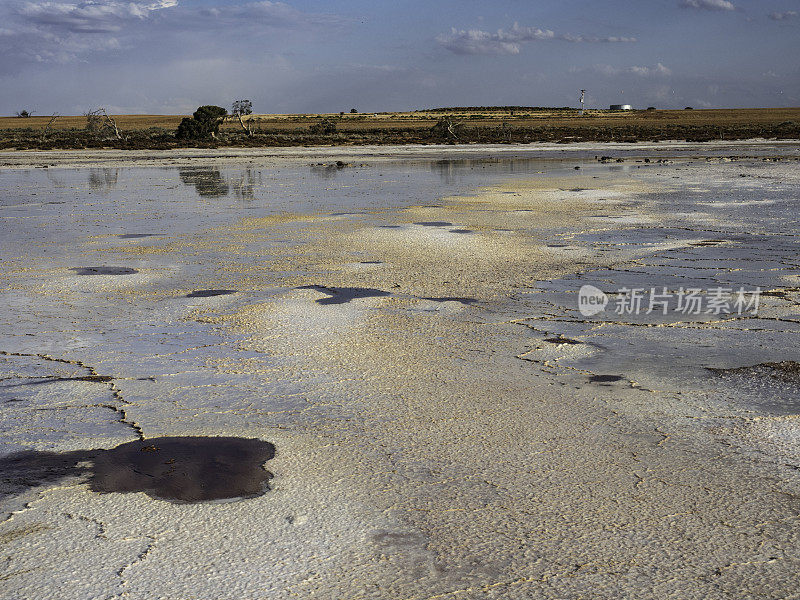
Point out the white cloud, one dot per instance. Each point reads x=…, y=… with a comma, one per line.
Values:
x=88, y=16
x=475, y=41
x=708, y=4
x=53, y=31
x=659, y=70
x=782, y=16
x=510, y=41
x=264, y=13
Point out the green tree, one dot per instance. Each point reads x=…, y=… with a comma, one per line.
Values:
x=203, y=124
x=242, y=107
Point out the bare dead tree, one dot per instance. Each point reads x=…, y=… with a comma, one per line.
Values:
x=49, y=124
x=447, y=127
x=98, y=119
x=248, y=128
x=113, y=123
x=505, y=130
x=242, y=108
x=452, y=127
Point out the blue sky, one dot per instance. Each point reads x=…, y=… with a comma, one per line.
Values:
x=169, y=56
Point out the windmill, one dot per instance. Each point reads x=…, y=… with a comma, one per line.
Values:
x=583, y=94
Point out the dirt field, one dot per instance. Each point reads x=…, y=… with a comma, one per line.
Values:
x=481, y=125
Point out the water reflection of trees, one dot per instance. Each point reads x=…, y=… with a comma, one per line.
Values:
x=450, y=171
x=244, y=186
x=210, y=182
x=103, y=180
x=324, y=171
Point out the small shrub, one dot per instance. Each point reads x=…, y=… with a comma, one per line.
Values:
x=190, y=129
x=324, y=127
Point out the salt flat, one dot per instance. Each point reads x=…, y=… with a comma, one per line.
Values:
x=398, y=341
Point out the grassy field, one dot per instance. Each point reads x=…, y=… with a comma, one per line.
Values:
x=479, y=125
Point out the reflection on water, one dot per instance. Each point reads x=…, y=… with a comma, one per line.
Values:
x=324, y=171
x=103, y=180
x=174, y=193
x=244, y=183
x=451, y=171
x=214, y=182
x=208, y=181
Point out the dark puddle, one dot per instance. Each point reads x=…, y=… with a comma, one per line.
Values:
x=177, y=469
x=89, y=378
x=461, y=231
x=704, y=243
x=104, y=270
x=135, y=236
x=209, y=293
x=434, y=223
x=344, y=294
x=605, y=378
x=563, y=340
x=462, y=300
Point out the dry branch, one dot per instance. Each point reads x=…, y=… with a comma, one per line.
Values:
x=49, y=124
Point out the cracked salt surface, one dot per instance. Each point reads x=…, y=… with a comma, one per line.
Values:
x=415, y=454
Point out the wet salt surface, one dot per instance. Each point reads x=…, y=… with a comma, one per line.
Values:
x=95, y=362
x=704, y=234
x=139, y=227
x=773, y=388
x=704, y=238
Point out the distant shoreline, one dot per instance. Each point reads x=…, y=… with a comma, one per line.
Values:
x=459, y=127
x=349, y=155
